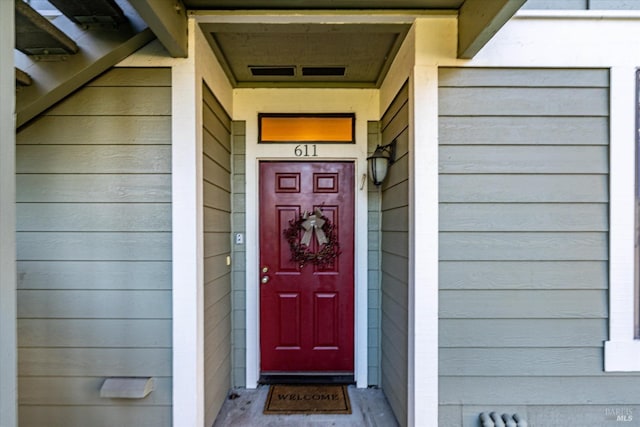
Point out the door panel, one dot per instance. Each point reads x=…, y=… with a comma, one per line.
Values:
x=306, y=314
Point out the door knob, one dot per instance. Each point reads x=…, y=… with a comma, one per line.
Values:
x=264, y=279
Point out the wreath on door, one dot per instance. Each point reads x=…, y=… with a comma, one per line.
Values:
x=307, y=225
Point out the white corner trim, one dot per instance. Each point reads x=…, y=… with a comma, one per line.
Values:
x=622, y=351
x=186, y=209
x=423, y=248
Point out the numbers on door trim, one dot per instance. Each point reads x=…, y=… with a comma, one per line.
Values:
x=306, y=150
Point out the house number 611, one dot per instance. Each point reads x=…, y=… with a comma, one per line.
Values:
x=305, y=150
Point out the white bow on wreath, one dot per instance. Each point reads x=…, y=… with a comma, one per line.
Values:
x=313, y=222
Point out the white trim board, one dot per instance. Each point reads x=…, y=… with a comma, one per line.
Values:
x=424, y=254
x=622, y=351
x=187, y=237
x=247, y=104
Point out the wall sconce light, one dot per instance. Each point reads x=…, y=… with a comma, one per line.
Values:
x=379, y=162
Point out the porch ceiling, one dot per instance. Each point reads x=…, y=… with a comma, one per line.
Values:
x=305, y=54
x=263, y=54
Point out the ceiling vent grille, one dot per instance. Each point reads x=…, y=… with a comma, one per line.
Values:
x=323, y=71
x=276, y=71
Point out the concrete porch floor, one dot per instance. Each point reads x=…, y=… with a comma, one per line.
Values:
x=369, y=408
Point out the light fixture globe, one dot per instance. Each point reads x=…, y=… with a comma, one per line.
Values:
x=380, y=160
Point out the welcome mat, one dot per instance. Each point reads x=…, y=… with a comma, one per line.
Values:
x=307, y=399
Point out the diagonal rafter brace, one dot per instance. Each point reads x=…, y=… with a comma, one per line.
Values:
x=22, y=78
x=98, y=51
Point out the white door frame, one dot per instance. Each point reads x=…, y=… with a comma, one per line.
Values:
x=247, y=105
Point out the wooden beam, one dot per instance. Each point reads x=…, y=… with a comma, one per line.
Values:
x=479, y=20
x=84, y=12
x=22, y=78
x=168, y=21
x=8, y=281
x=36, y=35
x=99, y=51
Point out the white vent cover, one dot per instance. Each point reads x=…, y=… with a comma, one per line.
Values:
x=126, y=387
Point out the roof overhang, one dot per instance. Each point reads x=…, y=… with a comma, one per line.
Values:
x=478, y=20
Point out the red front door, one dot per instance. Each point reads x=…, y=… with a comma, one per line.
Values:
x=306, y=313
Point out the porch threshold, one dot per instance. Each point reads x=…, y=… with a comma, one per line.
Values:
x=306, y=378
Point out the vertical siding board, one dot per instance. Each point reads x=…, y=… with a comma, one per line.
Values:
x=523, y=238
x=94, y=259
x=217, y=185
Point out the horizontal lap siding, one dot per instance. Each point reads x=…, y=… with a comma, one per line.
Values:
x=523, y=241
x=373, y=273
x=94, y=252
x=238, y=282
x=394, y=246
x=217, y=246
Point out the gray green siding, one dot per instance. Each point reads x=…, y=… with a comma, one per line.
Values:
x=524, y=246
x=583, y=4
x=394, y=261
x=216, y=170
x=373, y=273
x=94, y=252
x=239, y=258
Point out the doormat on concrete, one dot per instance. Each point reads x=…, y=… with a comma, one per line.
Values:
x=307, y=399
